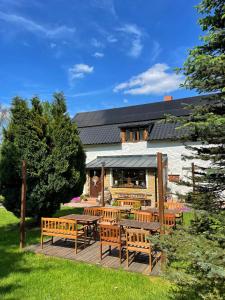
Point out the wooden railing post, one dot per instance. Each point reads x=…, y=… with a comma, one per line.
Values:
x=102, y=184
x=160, y=191
x=23, y=206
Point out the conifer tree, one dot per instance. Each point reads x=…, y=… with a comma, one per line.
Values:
x=49, y=142
x=204, y=72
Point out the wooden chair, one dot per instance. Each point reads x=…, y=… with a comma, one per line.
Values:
x=110, y=235
x=143, y=216
x=91, y=211
x=63, y=228
x=170, y=220
x=136, y=240
x=109, y=216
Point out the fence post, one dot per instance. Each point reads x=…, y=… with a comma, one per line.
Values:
x=23, y=206
x=160, y=191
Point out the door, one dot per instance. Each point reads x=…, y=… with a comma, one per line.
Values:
x=95, y=183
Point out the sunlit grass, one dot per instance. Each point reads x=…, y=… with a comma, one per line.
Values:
x=26, y=275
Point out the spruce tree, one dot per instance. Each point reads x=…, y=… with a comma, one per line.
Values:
x=50, y=144
x=204, y=71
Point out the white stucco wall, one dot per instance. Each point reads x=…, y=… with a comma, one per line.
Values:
x=174, y=151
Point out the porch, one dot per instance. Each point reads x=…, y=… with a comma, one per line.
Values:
x=125, y=174
x=91, y=255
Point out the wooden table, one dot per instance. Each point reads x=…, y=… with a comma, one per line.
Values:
x=166, y=211
x=125, y=208
x=151, y=226
x=85, y=220
x=178, y=213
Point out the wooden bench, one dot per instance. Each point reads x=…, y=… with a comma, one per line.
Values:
x=133, y=203
x=62, y=228
x=141, y=197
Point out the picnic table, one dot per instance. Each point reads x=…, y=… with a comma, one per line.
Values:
x=85, y=220
x=151, y=226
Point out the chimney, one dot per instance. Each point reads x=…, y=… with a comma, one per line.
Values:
x=168, y=98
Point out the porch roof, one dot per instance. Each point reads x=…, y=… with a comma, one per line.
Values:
x=125, y=161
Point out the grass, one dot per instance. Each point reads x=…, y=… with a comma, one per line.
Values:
x=26, y=275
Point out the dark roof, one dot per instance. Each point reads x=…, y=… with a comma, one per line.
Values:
x=137, y=113
x=103, y=126
x=166, y=131
x=125, y=161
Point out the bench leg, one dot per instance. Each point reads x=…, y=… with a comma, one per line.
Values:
x=52, y=239
x=75, y=246
x=150, y=260
x=101, y=250
x=41, y=241
x=120, y=253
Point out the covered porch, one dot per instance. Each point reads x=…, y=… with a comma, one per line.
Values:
x=126, y=174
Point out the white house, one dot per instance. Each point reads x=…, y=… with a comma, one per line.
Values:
x=127, y=140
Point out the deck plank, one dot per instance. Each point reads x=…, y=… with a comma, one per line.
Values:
x=91, y=254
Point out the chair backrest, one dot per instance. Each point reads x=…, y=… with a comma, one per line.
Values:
x=109, y=214
x=170, y=219
x=174, y=205
x=143, y=216
x=91, y=211
x=110, y=233
x=59, y=226
x=137, y=238
x=129, y=202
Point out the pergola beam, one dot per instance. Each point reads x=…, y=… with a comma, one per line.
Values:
x=160, y=191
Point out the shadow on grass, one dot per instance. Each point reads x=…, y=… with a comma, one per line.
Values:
x=11, y=259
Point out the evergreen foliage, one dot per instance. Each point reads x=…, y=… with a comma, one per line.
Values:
x=48, y=140
x=204, y=71
x=196, y=254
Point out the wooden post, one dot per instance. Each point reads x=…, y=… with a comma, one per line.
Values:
x=160, y=192
x=193, y=176
x=102, y=183
x=23, y=206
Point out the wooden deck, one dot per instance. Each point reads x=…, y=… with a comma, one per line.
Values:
x=91, y=254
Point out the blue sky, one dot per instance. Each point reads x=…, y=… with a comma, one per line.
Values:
x=100, y=53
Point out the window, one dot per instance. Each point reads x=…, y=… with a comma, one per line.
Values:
x=129, y=178
x=134, y=134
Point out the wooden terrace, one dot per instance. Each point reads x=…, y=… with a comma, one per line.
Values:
x=91, y=254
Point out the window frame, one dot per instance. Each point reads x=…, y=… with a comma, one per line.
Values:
x=124, y=177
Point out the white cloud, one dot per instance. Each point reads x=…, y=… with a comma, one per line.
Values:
x=98, y=54
x=79, y=71
x=97, y=44
x=136, y=35
x=107, y=5
x=156, y=80
x=156, y=50
x=112, y=39
x=125, y=101
x=37, y=28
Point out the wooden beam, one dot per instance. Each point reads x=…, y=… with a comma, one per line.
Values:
x=160, y=191
x=102, y=184
x=23, y=206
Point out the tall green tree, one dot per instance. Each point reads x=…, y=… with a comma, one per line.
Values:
x=196, y=254
x=204, y=71
x=48, y=140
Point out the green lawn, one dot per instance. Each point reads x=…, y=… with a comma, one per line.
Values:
x=28, y=276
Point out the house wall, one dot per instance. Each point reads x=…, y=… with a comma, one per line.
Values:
x=174, y=151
